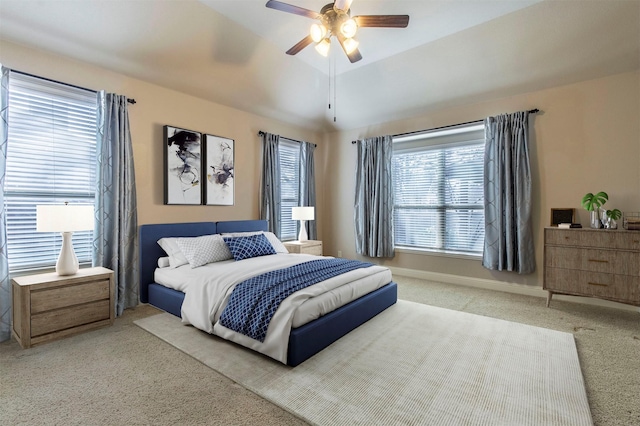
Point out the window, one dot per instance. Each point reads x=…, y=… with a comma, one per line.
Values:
x=439, y=190
x=289, y=182
x=51, y=158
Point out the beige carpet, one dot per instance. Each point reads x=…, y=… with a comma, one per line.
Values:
x=412, y=364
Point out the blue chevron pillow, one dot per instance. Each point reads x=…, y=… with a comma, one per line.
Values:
x=249, y=246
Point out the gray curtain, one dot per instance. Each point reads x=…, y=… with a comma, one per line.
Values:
x=374, y=198
x=5, y=281
x=115, y=240
x=270, y=183
x=307, y=186
x=508, y=240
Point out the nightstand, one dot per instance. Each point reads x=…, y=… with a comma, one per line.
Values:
x=305, y=247
x=48, y=306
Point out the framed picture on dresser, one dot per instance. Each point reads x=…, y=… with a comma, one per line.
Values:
x=562, y=216
x=219, y=172
x=182, y=166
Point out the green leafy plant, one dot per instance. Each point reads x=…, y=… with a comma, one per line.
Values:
x=593, y=202
x=614, y=214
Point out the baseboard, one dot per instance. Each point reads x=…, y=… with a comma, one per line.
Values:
x=506, y=287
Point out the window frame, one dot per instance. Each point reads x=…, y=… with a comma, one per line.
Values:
x=51, y=117
x=471, y=135
x=290, y=199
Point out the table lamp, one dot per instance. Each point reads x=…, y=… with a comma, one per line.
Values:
x=302, y=214
x=65, y=219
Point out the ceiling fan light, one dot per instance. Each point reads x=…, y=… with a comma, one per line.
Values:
x=349, y=28
x=350, y=45
x=317, y=32
x=323, y=47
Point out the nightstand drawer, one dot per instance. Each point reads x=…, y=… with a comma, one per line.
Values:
x=59, y=297
x=61, y=319
x=313, y=247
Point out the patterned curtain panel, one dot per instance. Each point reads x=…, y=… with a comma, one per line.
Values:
x=115, y=244
x=270, y=190
x=5, y=282
x=508, y=240
x=307, y=186
x=374, y=198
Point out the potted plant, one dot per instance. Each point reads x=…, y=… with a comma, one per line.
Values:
x=592, y=203
x=612, y=217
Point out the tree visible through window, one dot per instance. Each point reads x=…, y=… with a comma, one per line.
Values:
x=51, y=158
x=438, y=189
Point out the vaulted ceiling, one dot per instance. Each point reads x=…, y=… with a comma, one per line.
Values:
x=232, y=52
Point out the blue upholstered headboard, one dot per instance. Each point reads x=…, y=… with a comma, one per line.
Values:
x=150, y=251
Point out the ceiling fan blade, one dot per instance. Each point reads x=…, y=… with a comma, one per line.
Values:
x=342, y=4
x=300, y=45
x=384, y=21
x=355, y=55
x=284, y=7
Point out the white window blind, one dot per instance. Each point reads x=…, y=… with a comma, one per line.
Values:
x=438, y=188
x=289, y=182
x=51, y=159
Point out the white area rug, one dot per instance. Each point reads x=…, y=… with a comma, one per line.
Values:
x=413, y=364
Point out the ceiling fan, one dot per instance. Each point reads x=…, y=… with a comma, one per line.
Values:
x=335, y=20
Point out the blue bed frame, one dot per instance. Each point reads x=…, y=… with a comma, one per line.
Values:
x=304, y=341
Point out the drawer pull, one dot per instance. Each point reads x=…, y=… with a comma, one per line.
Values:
x=598, y=261
x=599, y=284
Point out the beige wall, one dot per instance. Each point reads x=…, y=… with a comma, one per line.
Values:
x=586, y=139
x=156, y=107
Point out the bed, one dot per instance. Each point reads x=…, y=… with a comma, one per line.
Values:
x=303, y=341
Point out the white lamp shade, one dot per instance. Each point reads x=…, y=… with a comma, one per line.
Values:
x=64, y=218
x=302, y=213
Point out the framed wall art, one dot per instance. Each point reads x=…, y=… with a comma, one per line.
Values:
x=219, y=171
x=182, y=166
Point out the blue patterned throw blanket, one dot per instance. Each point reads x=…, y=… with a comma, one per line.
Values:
x=254, y=301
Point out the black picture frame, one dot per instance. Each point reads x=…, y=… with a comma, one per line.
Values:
x=182, y=166
x=562, y=216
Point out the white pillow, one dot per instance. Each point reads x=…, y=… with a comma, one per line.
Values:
x=204, y=250
x=163, y=262
x=275, y=242
x=170, y=246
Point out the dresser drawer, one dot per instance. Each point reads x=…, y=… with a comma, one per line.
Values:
x=61, y=319
x=611, y=286
x=562, y=280
x=562, y=237
x=628, y=241
x=563, y=257
x=58, y=297
x=612, y=262
x=601, y=239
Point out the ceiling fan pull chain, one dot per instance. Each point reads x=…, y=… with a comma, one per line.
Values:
x=335, y=83
x=330, y=58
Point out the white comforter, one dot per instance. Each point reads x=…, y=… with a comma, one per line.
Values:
x=208, y=288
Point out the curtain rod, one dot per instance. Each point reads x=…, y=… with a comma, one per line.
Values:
x=531, y=111
x=261, y=133
x=131, y=101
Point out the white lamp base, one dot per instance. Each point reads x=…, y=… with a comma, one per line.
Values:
x=302, y=235
x=67, y=263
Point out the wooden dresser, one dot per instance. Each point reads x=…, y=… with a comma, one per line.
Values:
x=48, y=306
x=598, y=263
